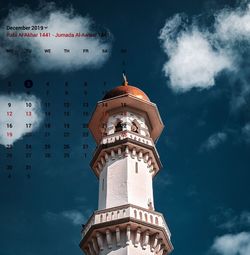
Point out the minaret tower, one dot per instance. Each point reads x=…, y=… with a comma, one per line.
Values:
x=125, y=126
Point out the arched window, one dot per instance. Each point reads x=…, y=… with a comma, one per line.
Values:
x=134, y=127
x=140, y=213
x=104, y=129
x=151, y=218
x=156, y=221
x=118, y=126
x=135, y=213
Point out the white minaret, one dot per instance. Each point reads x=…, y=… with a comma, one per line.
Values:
x=125, y=125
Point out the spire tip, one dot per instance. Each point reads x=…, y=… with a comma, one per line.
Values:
x=125, y=83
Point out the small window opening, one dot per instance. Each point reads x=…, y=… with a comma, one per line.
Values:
x=136, y=167
x=134, y=127
x=118, y=127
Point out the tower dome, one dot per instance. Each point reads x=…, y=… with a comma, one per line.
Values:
x=126, y=89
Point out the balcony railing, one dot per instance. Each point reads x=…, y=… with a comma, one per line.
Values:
x=126, y=134
x=132, y=211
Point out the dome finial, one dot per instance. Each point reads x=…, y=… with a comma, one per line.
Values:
x=125, y=83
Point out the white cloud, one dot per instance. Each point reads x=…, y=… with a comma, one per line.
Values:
x=228, y=220
x=197, y=54
x=241, y=92
x=50, y=216
x=243, y=220
x=74, y=216
x=232, y=244
x=193, y=62
x=58, y=21
x=164, y=181
x=246, y=132
x=214, y=140
x=7, y=65
x=19, y=114
x=233, y=24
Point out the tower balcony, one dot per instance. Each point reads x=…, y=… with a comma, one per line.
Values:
x=126, y=211
x=147, y=229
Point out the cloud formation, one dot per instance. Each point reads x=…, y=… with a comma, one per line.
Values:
x=19, y=114
x=74, y=216
x=214, y=140
x=193, y=62
x=227, y=219
x=232, y=25
x=57, y=21
x=198, y=54
x=232, y=244
x=246, y=132
x=243, y=220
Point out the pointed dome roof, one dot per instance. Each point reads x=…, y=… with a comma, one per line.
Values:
x=126, y=89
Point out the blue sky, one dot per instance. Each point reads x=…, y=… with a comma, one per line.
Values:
x=190, y=58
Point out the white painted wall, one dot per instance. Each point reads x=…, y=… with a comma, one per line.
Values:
x=140, y=189
x=122, y=185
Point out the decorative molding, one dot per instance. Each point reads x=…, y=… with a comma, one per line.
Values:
x=137, y=237
x=135, y=151
x=108, y=238
x=128, y=235
x=99, y=240
x=125, y=211
x=154, y=241
x=126, y=225
x=124, y=235
x=145, y=239
x=118, y=236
